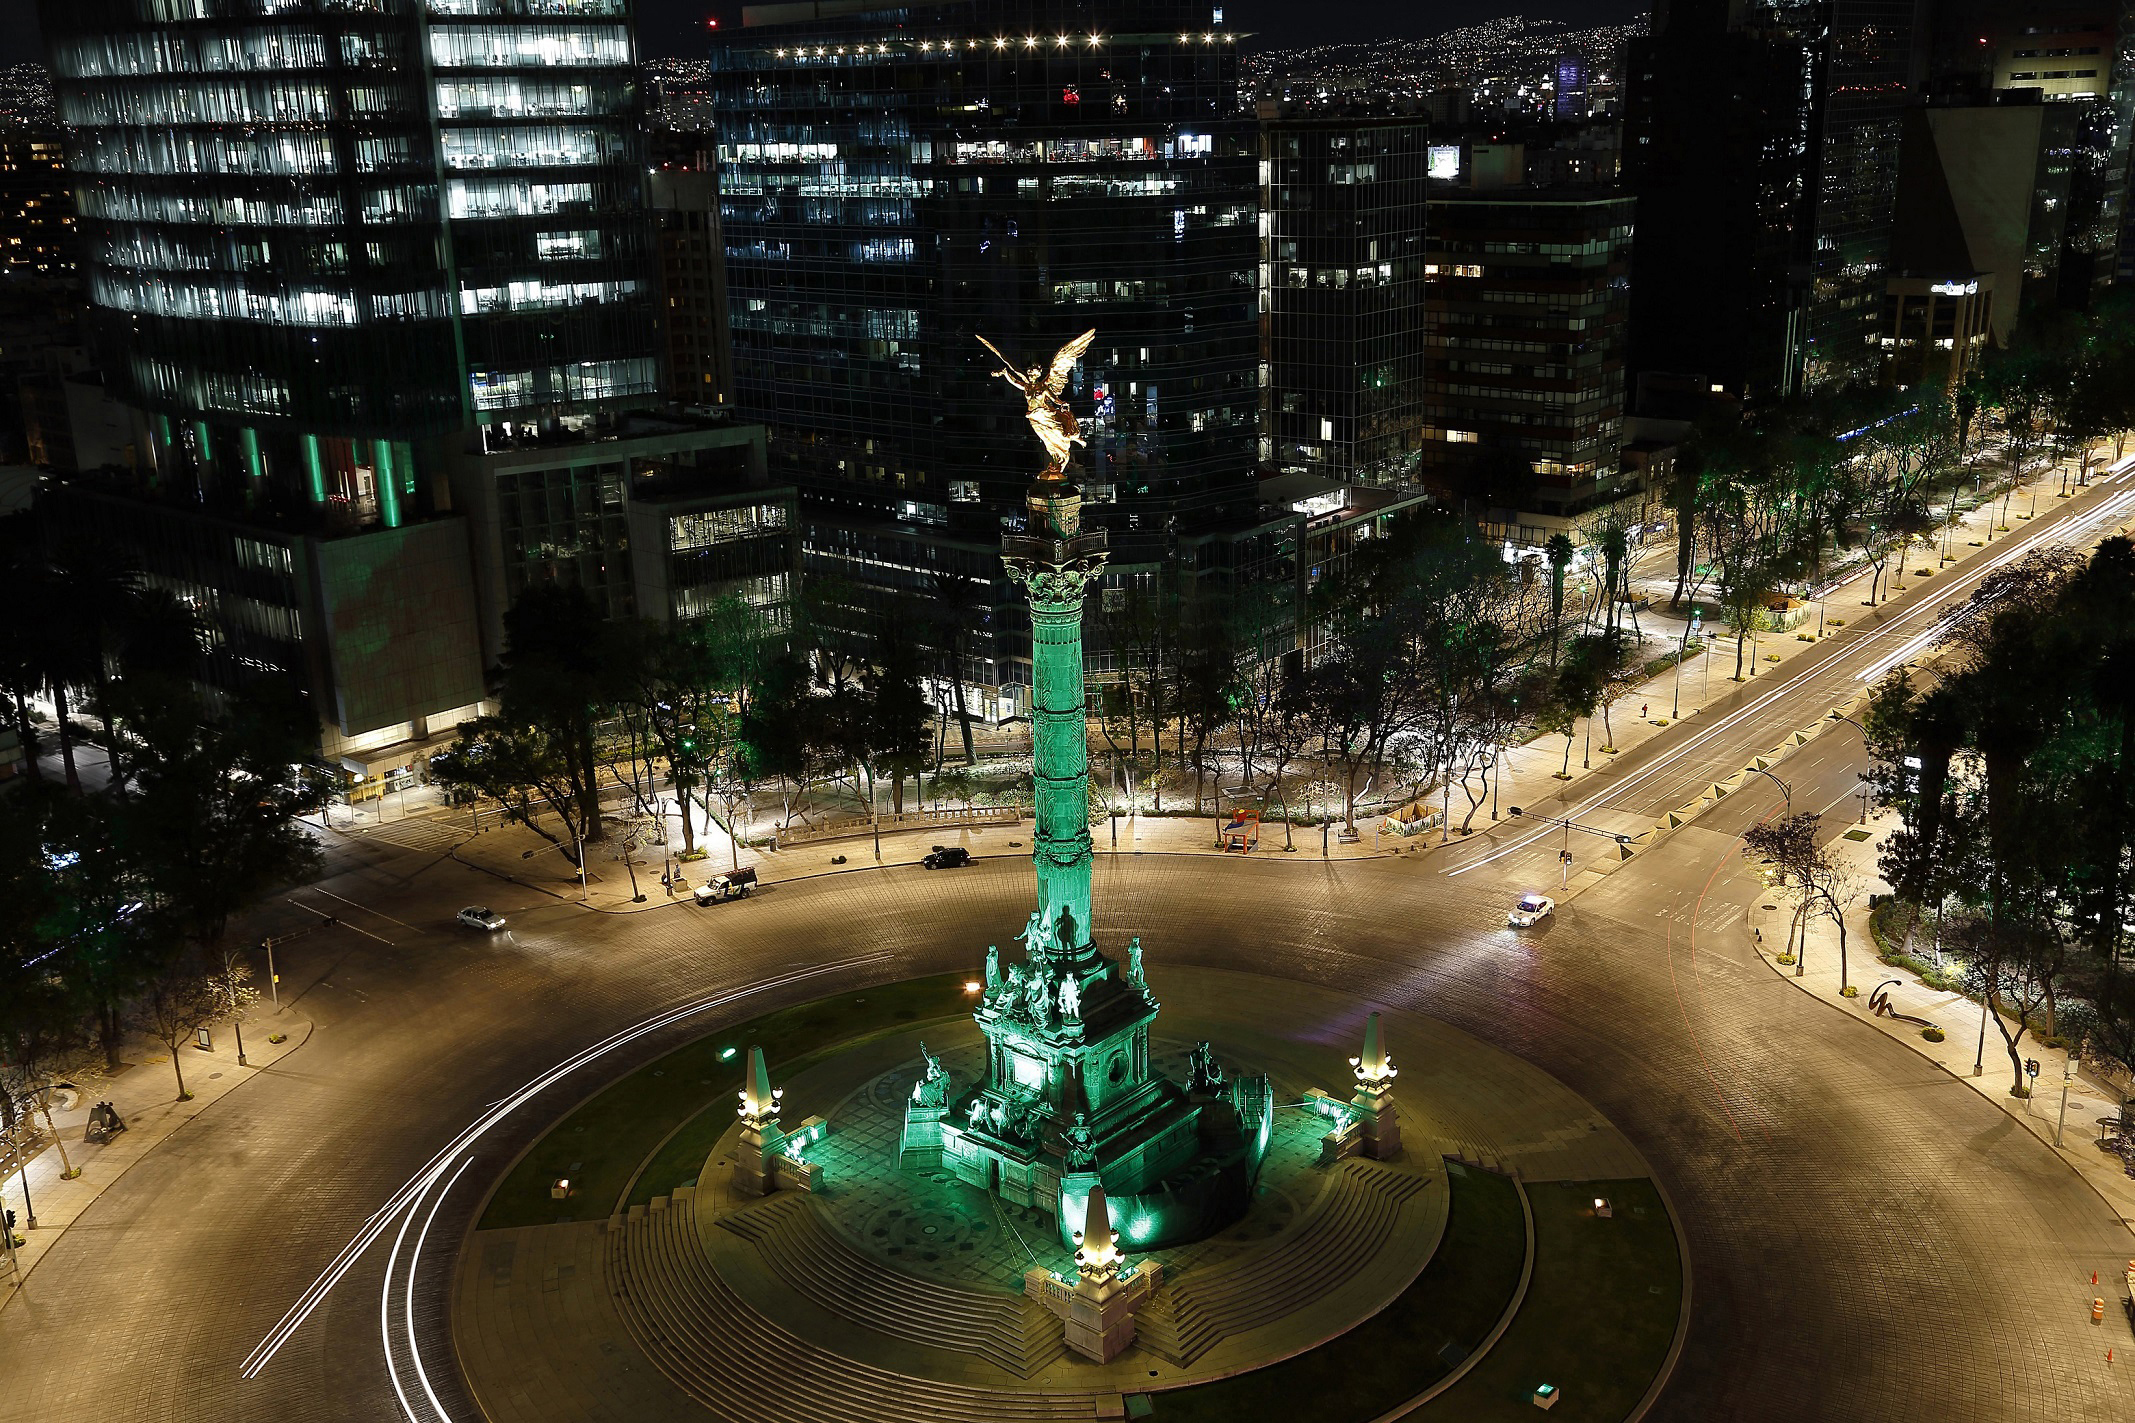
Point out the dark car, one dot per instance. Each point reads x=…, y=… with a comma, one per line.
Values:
x=947, y=857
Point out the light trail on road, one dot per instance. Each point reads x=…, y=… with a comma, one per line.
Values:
x=409, y=1197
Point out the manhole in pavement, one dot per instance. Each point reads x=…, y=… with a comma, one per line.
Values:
x=1769, y=906
x=930, y=1230
x=213, y=1075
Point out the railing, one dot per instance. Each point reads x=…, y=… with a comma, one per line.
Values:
x=845, y=827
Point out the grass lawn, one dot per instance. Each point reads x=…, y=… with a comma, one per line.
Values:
x=1406, y=1347
x=598, y=1146
x=1599, y=1315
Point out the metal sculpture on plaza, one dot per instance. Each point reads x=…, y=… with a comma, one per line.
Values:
x=1068, y=1101
x=1044, y=390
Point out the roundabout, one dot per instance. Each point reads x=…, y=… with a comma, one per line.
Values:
x=1352, y=1287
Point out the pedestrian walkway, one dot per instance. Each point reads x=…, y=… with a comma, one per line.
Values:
x=1529, y=774
x=144, y=1093
x=1972, y=1050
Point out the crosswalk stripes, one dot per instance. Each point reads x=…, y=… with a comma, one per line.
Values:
x=430, y=836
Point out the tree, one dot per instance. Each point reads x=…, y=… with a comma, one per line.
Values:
x=1789, y=842
x=960, y=605
x=2014, y=967
x=214, y=820
x=559, y=679
x=1575, y=693
x=1209, y=691
x=518, y=767
x=177, y=1002
x=898, y=713
x=1559, y=551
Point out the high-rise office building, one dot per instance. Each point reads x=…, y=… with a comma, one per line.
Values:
x=379, y=280
x=2078, y=58
x=1762, y=142
x=37, y=236
x=1341, y=292
x=897, y=182
x=1525, y=380
x=325, y=233
x=1570, y=103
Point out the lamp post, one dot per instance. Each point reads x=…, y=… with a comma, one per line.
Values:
x=1690, y=631
x=1783, y=788
x=2068, y=1075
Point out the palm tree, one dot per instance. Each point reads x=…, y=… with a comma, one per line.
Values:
x=1559, y=550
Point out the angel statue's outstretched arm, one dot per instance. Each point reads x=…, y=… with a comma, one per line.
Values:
x=1008, y=371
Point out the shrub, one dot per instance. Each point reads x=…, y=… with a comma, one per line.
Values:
x=1933, y=1034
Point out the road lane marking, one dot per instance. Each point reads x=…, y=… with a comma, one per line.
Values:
x=418, y=1186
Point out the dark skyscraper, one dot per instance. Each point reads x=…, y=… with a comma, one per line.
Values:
x=897, y=183
x=1762, y=143
x=1342, y=292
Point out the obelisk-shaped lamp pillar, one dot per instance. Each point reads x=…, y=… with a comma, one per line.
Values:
x=1373, y=1103
x=1055, y=561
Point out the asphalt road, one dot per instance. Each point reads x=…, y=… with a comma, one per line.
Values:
x=1869, y=1238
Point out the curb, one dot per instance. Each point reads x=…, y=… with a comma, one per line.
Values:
x=1497, y=1331
x=2059, y=1154
x=21, y=1281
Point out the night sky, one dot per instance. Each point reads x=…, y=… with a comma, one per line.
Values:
x=674, y=27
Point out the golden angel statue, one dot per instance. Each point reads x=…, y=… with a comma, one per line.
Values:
x=1047, y=412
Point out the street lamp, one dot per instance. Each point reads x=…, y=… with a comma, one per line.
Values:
x=1690, y=630
x=1783, y=789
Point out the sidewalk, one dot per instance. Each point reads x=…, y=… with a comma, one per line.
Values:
x=144, y=1092
x=502, y=852
x=1530, y=774
x=1961, y=1019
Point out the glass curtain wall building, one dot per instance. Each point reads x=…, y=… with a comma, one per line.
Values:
x=1762, y=141
x=319, y=233
x=1342, y=293
x=897, y=182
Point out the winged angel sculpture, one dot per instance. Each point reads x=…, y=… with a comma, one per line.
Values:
x=1043, y=388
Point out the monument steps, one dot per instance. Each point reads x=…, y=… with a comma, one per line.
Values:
x=741, y=1366
x=1342, y=1240
x=811, y=1257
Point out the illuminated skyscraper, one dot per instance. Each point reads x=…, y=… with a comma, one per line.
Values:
x=895, y=182
x=1342, y=292
x=317, y=234
x=379, y=277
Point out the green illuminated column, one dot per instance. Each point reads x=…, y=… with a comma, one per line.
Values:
x=248, y=444
x=314, y=468
x=388, y=482
x=1054, y=564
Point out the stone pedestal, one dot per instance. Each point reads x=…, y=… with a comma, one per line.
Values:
x=920, y=1150
x=1096, y=1308
x=768, y=1157
x=1378, y=1123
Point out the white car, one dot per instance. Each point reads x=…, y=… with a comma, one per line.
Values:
x=487, y=920
x=1532, y=909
